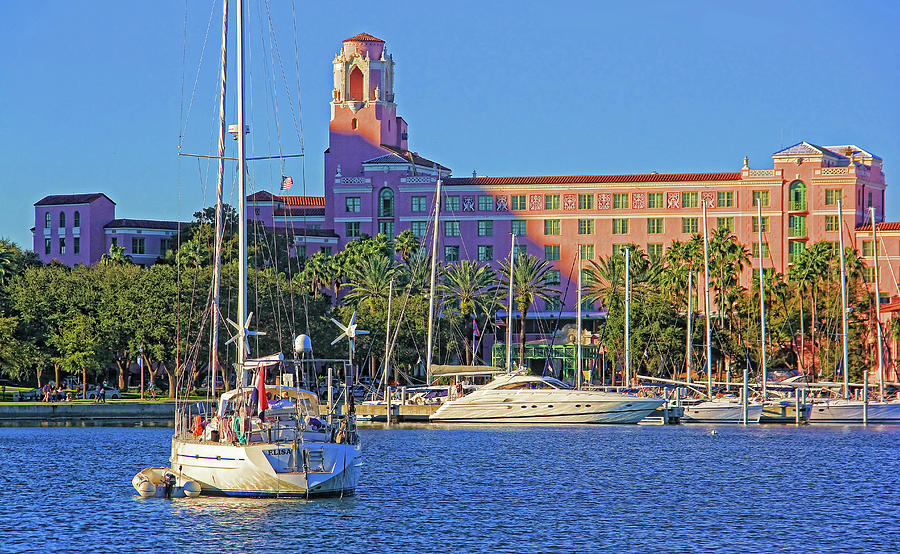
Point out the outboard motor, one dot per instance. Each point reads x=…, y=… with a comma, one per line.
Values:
x=169, y=482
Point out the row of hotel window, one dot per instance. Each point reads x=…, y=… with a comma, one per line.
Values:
x=620, y=226
x=76, y=220
x=620, y=200
x=138, y=245
x=485, y=253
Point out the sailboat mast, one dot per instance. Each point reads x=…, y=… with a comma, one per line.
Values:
x=434, y=244
x=578, y=361
x=242, y=197
x=706, y=292
x=762, y=300
x=217, y=267
x=512, y=264
x=627, y=318
x=387, y=335
x=844, y=326
x=877, y=308
x=687, y=354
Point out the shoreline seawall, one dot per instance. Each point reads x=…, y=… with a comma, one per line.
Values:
x=109, y=411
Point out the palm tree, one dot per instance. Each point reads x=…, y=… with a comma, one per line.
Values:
x=468, y=288
x=810, y=268
x=116, y=256
x=314, y=275
x=406, y=245
x=6, y=266
x=371, y=280
x=530, y=283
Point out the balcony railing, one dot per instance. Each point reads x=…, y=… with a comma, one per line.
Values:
x=797, y=230
x=797, y=205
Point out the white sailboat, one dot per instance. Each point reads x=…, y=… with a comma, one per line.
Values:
x=727, y=409
x=264, y=440
x=847, y=409
x=515, y=397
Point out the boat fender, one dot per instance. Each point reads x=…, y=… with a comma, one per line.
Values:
x=191, y=489
x=197, y=427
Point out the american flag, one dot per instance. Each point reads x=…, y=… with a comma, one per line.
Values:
x=286, y=182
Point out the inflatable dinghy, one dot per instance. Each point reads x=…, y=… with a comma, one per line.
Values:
x=163, y=482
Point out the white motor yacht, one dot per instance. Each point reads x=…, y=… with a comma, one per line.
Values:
x=514, y=398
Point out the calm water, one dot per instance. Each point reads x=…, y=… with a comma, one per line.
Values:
x=467, y=489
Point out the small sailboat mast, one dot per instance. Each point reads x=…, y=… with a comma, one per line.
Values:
x=706, y=292
x=242, y=198
x=762, y=303
x=578, y=360
x=687, y=354
x=844, y=325
x=434, y=244
x=217, y=263
x=627, y=318
x=877, y=307
x=512, y=265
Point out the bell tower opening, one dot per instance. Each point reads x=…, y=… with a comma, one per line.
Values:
x=355, y=92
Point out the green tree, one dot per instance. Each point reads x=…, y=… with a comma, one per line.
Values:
x=530, y=282
x=407, y=245
x=468, y=289
x=115, y=256
x=78, y=343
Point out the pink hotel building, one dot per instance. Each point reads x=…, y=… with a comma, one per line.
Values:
x=375, y=184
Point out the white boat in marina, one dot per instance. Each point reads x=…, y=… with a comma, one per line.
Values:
x=515, y=398
x=268, y=439
x=720, y=410
x=288, y=452
x=840, y=410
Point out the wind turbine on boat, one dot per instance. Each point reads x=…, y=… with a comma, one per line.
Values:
x=243, y=332
x=350, y=331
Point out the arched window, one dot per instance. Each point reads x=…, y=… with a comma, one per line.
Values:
x=62, y=220
x=797, y=196
x=48, y=219
x=386, y=203
x=356, y=85
x=76, y=219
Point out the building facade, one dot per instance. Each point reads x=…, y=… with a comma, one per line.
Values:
x=80, y=228
x=375, y=184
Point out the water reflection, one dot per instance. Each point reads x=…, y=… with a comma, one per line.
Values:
x=447, y=488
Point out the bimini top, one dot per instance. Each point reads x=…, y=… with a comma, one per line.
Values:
x=308, y=399
x=525, y=382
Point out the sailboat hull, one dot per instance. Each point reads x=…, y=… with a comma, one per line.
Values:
x=716, y=411
x=851, y=411
x=268, y=469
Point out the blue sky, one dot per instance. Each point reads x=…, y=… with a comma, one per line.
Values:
x=96, y=94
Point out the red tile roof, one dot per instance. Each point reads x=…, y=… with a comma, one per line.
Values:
x=567, y=179
x=302, y=200
x=883, y=226
x=266, y=196
x=363, y=37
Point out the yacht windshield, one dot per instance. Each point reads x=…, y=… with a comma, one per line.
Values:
x=557, y=383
